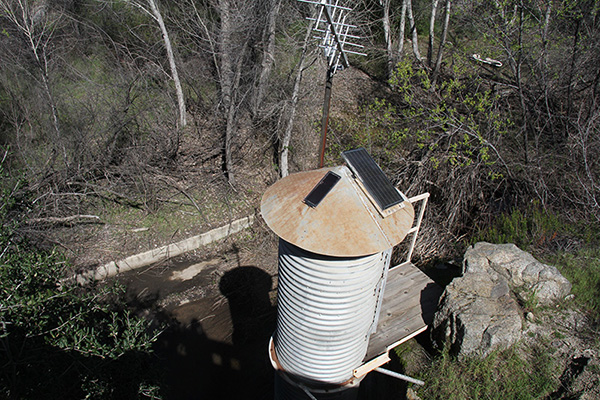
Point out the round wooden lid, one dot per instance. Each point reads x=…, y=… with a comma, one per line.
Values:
x=344, y=224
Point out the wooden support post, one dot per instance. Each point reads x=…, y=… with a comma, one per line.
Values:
x=371, y=365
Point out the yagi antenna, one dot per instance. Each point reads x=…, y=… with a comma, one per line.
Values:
x=334, y=37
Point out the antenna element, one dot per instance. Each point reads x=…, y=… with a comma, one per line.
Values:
x=334, y=35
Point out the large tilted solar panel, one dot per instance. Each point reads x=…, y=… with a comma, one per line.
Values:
x=372, y=177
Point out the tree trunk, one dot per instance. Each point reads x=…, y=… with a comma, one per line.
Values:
x=231, y=113
x=287, y=135
x=325, y=117
x=402, y=29
x=438, y=61
x=226, y=51
x=43, y=63
x=544, y=67
x=413, y=30
x=268, y=56
x=574, y=53
x=523, y=101
x=180, y=99
x=434, y=6
x=388, y=36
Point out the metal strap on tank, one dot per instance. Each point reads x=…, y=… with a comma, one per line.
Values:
x=380, y=289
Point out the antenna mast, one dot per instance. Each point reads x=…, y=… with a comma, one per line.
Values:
x=333, y=33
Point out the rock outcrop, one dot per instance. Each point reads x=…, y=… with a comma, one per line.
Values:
x=528, y=278
x=479, y=311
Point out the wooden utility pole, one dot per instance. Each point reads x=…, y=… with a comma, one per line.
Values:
x=325, y=118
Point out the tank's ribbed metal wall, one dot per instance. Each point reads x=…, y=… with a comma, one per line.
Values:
x=326, y=309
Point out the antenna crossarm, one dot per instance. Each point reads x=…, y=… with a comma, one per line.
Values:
x=335, y=35
x=324, y=3
x=336, y=24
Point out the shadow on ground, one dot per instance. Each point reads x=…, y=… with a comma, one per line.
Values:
x=197, y=367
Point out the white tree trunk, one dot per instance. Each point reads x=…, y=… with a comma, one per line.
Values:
x=402, y=28
x=385, y=4
x=438, y=61
x=268, y=57
x=180, y=99
x=287, y=135
x=413, y=30
x=434, y=6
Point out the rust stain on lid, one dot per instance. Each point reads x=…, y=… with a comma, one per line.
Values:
x=344, y=224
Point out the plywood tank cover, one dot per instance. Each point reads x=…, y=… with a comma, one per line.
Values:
x=344, y=224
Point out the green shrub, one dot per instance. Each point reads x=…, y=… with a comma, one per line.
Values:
x=58, y=340
x=443, y=141
x=582, y=269
x=532, y=227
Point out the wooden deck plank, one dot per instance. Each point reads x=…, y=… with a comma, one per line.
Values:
x=409, y=303
x=405, y=285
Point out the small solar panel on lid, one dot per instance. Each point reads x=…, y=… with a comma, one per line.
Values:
x=318, y=193
x=372, y=178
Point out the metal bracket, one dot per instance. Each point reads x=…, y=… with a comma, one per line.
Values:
x=414, y=231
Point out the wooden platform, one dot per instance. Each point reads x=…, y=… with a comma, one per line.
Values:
x=409, y=303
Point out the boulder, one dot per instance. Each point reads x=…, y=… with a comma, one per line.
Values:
x=527, y=277
x=478, y=312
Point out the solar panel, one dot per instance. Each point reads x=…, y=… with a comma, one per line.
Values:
x=321, y=189
x=372, y=178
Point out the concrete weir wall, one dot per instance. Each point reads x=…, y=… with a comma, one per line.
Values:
x=163, y=253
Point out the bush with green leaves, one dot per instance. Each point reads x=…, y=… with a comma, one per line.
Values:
x=59, y=340
x=444, y=141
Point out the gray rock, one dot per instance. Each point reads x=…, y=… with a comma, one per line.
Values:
x=526, y=275
x=479, y=313
x=411, y=394
x=530, y=317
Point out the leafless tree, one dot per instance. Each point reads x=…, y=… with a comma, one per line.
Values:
x=150, y=7
x=233, y=44
x=239, y=38
x=438, y=62
x=36, y=23
x=413, y=30
x=387, y=33
x=268, y=53
x=434, y=7
x=293, y=105
x=402, y=28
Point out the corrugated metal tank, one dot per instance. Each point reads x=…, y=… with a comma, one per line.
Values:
x=333, y=261
x=327, y=310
